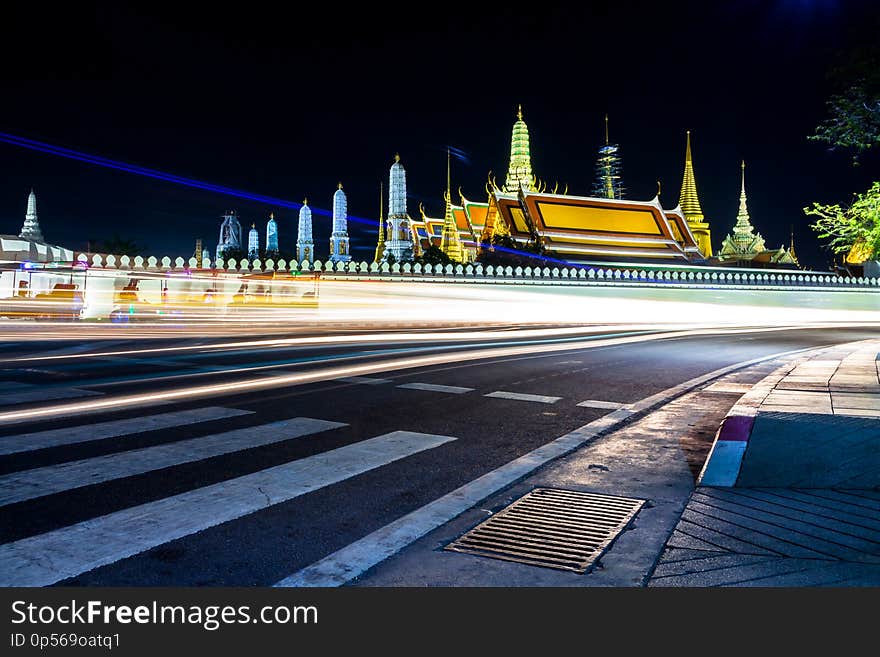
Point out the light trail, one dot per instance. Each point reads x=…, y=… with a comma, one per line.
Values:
x=97, y=160
x=325, y=374
x=311, y=341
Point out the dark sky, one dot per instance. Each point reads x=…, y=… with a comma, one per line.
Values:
x=288, y=102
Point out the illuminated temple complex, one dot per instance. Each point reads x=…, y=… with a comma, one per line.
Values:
x=603, y=227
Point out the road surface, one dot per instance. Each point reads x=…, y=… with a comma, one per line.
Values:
x=222, y=461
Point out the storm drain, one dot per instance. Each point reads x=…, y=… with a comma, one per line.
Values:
x=562, y=529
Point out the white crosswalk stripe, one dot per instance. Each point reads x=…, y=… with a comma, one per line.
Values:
x=24, y=393
x=433, y=387
x=47, y=558
x=28, y=484
x=519, y=396
x=596, y=403
x=113, y=429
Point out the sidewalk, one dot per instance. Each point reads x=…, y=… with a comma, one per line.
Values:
x=805, y=427
x=790, y=495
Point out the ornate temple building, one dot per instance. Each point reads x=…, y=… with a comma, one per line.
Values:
x=230, y=235
x=30, y=230
x=581, y=228
x=340, y=251
x=28, y=245
x=253, y=251
x=744, y=246
x=603, y=227
x=689, y=203
x=398, y=235
x=519, y=171
x=305, y=245
x=271, y=237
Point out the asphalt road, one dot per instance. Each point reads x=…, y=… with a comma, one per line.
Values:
x=98, y=486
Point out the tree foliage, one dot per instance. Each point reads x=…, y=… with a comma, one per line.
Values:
x=434, y=255
x=505, y=251
x=845, y=227
x=853, y=121
x=119, y=246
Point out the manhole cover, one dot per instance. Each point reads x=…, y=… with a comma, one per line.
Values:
x=549, y=527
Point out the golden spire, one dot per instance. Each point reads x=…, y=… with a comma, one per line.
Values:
x=450, y=243
x=306, y=200
x=688, y=199
x=397, y=157
x=271, y=215
x=380, y=245
x=743, y=225
x=606, y=129
x=338, y=185
x=519, y=170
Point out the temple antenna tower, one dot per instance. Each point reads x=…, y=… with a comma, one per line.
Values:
x=609, y=170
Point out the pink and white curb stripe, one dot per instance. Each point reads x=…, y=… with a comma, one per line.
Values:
x=725, y=459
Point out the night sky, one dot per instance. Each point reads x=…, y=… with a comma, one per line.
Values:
x=287, y=103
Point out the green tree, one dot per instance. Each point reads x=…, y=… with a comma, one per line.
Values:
x=235, y=253
x=846, y=227
x=510, y=252
x=853, y=121
x=853, y=124
x=434, y=255
x=119, y=246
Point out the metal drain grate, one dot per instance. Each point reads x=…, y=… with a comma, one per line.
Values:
x=562, y=529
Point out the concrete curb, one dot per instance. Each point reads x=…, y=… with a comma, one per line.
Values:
x=726, y=456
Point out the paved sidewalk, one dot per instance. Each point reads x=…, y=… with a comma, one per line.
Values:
x=656, y=458
x=794, y=498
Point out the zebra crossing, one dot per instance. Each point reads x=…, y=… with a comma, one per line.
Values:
x=28, y=484
x=58, y=554
x=113, y=429
x=71, y=548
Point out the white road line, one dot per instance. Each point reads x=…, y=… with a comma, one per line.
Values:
x=28, y=484
x=595, y=403
x=431, y=387
x=56, y=555
x=353, y=560
x=113, y=429
x=519, y=396
x=34, y=393
x=721, y=386
x=365, y=380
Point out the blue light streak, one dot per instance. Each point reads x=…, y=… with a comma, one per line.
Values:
x=97, y=160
